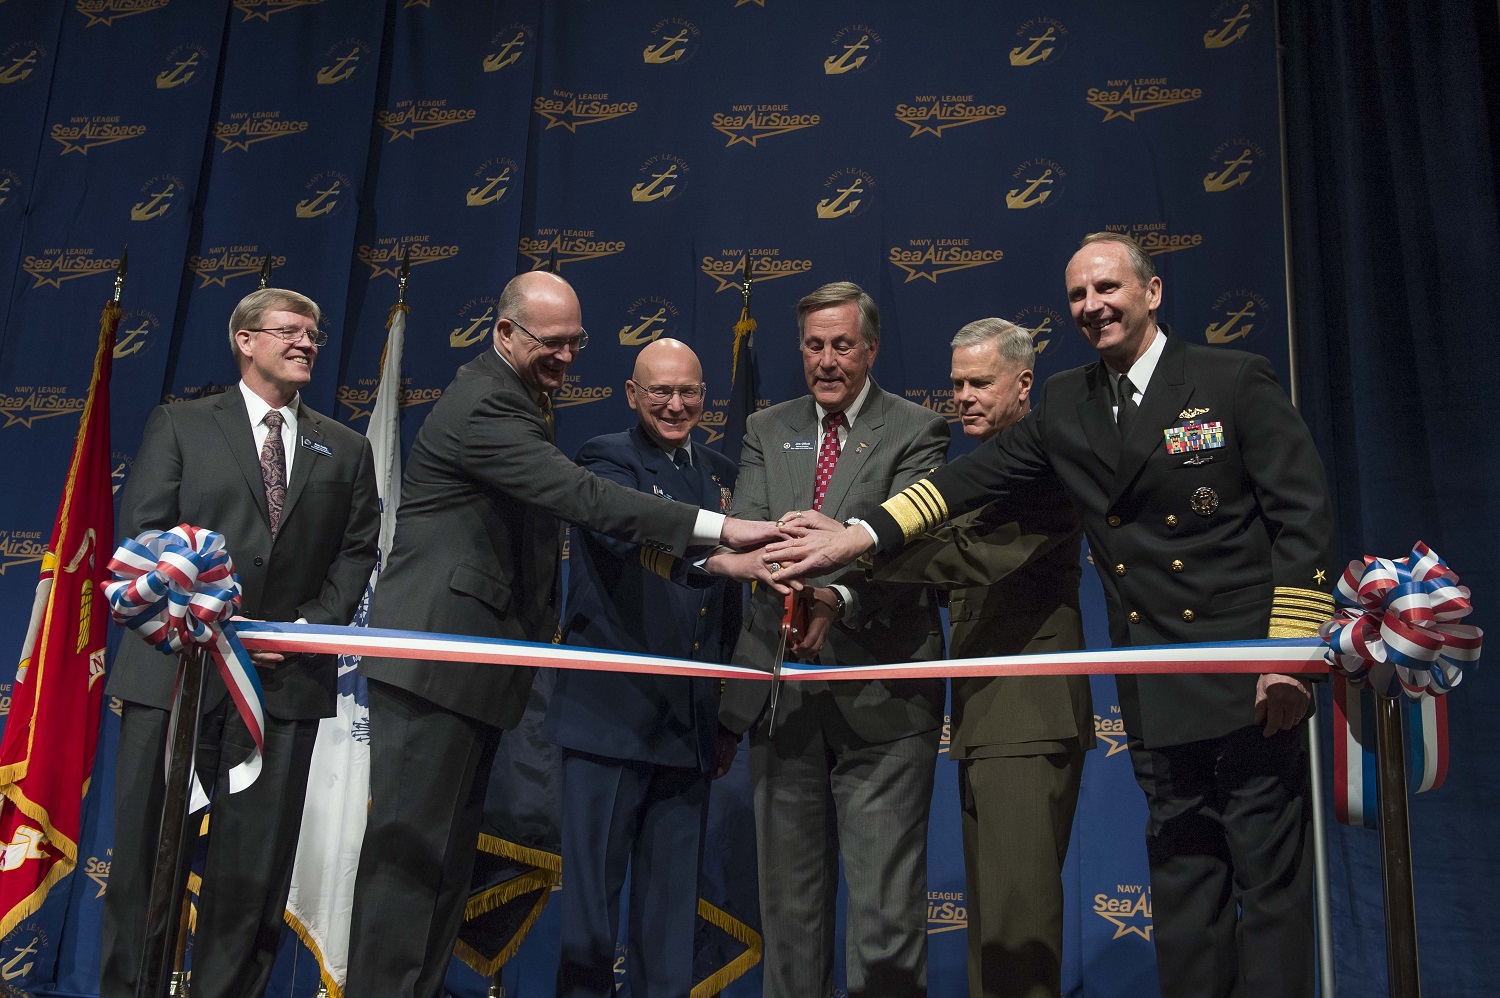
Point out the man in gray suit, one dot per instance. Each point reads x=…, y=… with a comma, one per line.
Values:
x=848, y=773
x=293, y=493
x=1011, y=568
x=478, y=551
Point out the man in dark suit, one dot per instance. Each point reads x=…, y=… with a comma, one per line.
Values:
x=477, y=551
x=1011, y=569
x=847, y=775
x=1223, y=539
x=638, y=750
x=293, y=493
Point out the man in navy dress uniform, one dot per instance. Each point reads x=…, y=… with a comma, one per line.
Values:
x=639, y=750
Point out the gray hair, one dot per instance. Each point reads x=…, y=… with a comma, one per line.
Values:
x=252, y=309
x=1013, y=342
x=838, y=293
x=1139, y=261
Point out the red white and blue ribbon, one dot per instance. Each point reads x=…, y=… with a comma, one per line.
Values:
x=1395, y=627
x=177, y=588
x=1285, y=655
x=1395, y=635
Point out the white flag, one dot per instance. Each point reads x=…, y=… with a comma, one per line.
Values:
x=338, y=783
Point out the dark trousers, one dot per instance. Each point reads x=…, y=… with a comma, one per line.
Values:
x=429, y=769
x=1017, y=819
x=618, y=813
x=825, y=797
x=1231, y=878
x=252, y=842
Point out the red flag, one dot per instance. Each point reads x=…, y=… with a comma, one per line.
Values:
x=47, y=752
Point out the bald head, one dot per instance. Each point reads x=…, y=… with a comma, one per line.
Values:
x=666, y=365
x=539, y=328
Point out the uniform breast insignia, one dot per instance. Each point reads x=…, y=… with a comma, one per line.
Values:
x=1197, y=459
x=1194, y=437
x=1204, y=501
x=658, y=490
x=726, y=500
x=1192, y=413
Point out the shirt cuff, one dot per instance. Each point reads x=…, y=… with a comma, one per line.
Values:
x=707, y=528
x=871, y=531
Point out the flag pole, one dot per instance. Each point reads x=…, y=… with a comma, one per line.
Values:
x=1404, y=977
x=265, y=273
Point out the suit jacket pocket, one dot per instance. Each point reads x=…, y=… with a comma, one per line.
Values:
x=487, y=589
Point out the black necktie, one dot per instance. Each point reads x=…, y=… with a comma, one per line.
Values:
x=680, y=458
x=1127, y=404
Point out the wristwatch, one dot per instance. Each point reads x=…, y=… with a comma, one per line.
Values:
x=838, y=603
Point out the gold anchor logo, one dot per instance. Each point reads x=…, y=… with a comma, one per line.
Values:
x=10, y=971
x=1238, y=24
x=134, y=341
x=339, y=71
x=835, y=65
x=178, y=74
x=468, y=336
x=488, y=194
x=19, y=69
x=1224, y=332
x=1042, y=334
x=1029, y=55
x=1020, y=198
x=320, y=205
x=830, y=207
x=159, y=205
x=657, y=54
x=1223, y=180
x=650, y=192
x=639, y=336
x=509, y=53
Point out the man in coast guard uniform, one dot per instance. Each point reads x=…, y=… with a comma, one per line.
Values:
x=638, y=750
x=293, y=493
x=1207, y=513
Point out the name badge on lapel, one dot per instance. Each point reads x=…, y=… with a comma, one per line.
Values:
x=316, y=447
x=797, y=445
x=1194, y=437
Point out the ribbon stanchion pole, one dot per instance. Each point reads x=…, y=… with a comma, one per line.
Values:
x=169, y=876
x=1395, y=853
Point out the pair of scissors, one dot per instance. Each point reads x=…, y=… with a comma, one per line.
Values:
x=793, y=624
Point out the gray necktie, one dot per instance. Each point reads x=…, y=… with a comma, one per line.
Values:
x=273, y=468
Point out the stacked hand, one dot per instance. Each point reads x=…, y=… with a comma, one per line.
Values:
x=813, y=545
x=741, y=555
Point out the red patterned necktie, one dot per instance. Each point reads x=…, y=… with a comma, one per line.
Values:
x=828, y=457
x=273, y=468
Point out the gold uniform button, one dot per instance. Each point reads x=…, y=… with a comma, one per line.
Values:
x=1120, y=568
x=1177, y=566
x=1187, y=615
x=1113, y=521
x=1171, y=519
x=695, y=644
x=1135, y=618
x=703, y=611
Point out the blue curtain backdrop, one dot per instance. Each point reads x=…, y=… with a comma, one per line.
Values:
x=1393, y=119
x=946, y=156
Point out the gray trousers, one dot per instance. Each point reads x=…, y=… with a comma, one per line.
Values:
x=824, y=796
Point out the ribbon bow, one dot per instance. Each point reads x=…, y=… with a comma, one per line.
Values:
x=177, y=588
x=1394, y=628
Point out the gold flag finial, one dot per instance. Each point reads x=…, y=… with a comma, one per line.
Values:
x=745, y=282
x=120, y=272
x=265, y=273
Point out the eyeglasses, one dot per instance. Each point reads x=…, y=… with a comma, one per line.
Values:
x=573, y=343
x=291, y=334
x=660, y=394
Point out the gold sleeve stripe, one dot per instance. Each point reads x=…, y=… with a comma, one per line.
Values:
x=1298, y=613
x=917, y=508
x=657, y=561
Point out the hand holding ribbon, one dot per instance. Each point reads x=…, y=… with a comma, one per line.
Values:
x=1394, y=627
x=176, y=588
